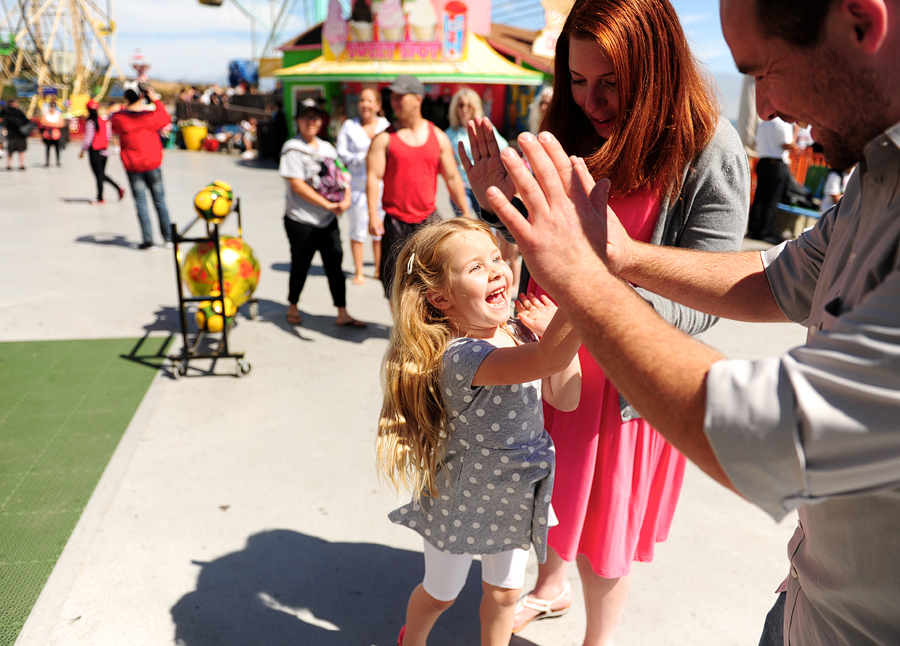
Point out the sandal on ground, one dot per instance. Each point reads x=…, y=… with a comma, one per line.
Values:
x=294, y=320
x=352, y=323
x=544, y=607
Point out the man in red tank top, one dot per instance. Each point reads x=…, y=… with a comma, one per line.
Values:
x=408, y=157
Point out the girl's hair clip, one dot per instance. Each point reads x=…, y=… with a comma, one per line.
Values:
x=409, y=264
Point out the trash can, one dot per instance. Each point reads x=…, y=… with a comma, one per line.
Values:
x=193, y=136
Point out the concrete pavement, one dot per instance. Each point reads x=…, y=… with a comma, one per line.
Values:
x=247, y=511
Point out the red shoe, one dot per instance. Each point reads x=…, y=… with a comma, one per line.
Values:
x=121, y=193
x=98, y=202
x=400, y=636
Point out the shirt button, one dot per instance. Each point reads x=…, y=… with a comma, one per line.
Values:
x=793, y=572
x=813, y=329
x=852, y=257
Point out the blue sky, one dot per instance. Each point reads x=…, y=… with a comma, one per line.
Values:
x=186, y=41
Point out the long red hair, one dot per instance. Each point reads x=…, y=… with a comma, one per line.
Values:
x=667, y=107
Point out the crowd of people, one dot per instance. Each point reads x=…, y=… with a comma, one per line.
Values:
x=215, y=94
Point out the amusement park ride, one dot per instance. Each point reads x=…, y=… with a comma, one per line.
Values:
x=69, y=45
x=64, y=44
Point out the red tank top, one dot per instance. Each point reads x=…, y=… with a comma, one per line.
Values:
x=410, y=178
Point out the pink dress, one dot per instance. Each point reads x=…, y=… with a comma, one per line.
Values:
x=617, y=483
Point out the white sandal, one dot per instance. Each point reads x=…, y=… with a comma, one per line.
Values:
x=544, y=607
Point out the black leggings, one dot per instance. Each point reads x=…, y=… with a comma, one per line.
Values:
x=305, y=241
x=98, y=165
x=51, y=143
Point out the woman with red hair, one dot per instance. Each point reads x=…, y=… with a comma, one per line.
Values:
x=630, y=98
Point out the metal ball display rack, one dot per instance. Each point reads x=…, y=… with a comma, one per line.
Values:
x=191, y=342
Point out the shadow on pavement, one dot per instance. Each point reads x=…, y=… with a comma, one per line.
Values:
x=275, y=313
x=107, y=239
x=288, y=589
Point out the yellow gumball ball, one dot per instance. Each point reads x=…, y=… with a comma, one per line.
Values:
x=215, y=323
x=225, y=187
x=209, y=314
x=240, y=269
x=212, y=204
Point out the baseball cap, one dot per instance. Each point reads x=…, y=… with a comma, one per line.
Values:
x=406, y=84
x=310, y=104
x=92, y=105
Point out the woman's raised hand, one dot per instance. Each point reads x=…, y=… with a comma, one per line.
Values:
x=485, y=168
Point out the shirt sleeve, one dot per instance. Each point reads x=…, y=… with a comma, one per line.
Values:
x=822, y=420
x=294, y=165
x=354, y=160
x=461, y=361
x=89, y=130
x=833, y=184
x=710, y=214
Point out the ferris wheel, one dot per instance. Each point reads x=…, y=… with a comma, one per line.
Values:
x=63, y=44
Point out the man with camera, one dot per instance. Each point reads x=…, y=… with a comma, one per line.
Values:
x=138, y=125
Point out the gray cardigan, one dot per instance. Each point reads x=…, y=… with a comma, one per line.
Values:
x=710, y=214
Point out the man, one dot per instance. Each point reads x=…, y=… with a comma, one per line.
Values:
x=16, y=142
x=138, y=127
x=774, y=143
x=408, y=157
x=816, y=429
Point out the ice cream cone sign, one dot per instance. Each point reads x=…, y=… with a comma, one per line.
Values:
x=361, y=22
x=422, y=20
x=335, y=30
x=391, y=21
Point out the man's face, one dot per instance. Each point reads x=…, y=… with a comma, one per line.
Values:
x=405, y=105
x=819, y=86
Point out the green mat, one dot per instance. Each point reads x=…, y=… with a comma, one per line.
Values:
x=64, y=406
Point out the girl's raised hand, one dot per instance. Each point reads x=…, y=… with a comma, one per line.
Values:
x=485, y=169
x=535, y=312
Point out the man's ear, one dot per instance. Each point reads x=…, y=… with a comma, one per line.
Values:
x=868, y=21
x=438, y=299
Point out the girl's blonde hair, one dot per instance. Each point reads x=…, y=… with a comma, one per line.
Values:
x=411, y=434
x=472, y=97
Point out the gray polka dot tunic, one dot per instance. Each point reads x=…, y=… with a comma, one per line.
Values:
x=498, y=475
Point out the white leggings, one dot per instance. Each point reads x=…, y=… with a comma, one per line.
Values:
x=446, y=574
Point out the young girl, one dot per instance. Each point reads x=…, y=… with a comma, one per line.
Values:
x=462, y=424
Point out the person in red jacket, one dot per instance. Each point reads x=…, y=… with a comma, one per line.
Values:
x=138, y=126
x=96, y=143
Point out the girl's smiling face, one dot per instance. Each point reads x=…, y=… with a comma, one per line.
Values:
x=594, y=87
x=478, y=301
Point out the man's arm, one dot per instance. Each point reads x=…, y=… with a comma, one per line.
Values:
x=376, y=162
x=450, y=173
x=659, y=370
x=730, y=285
